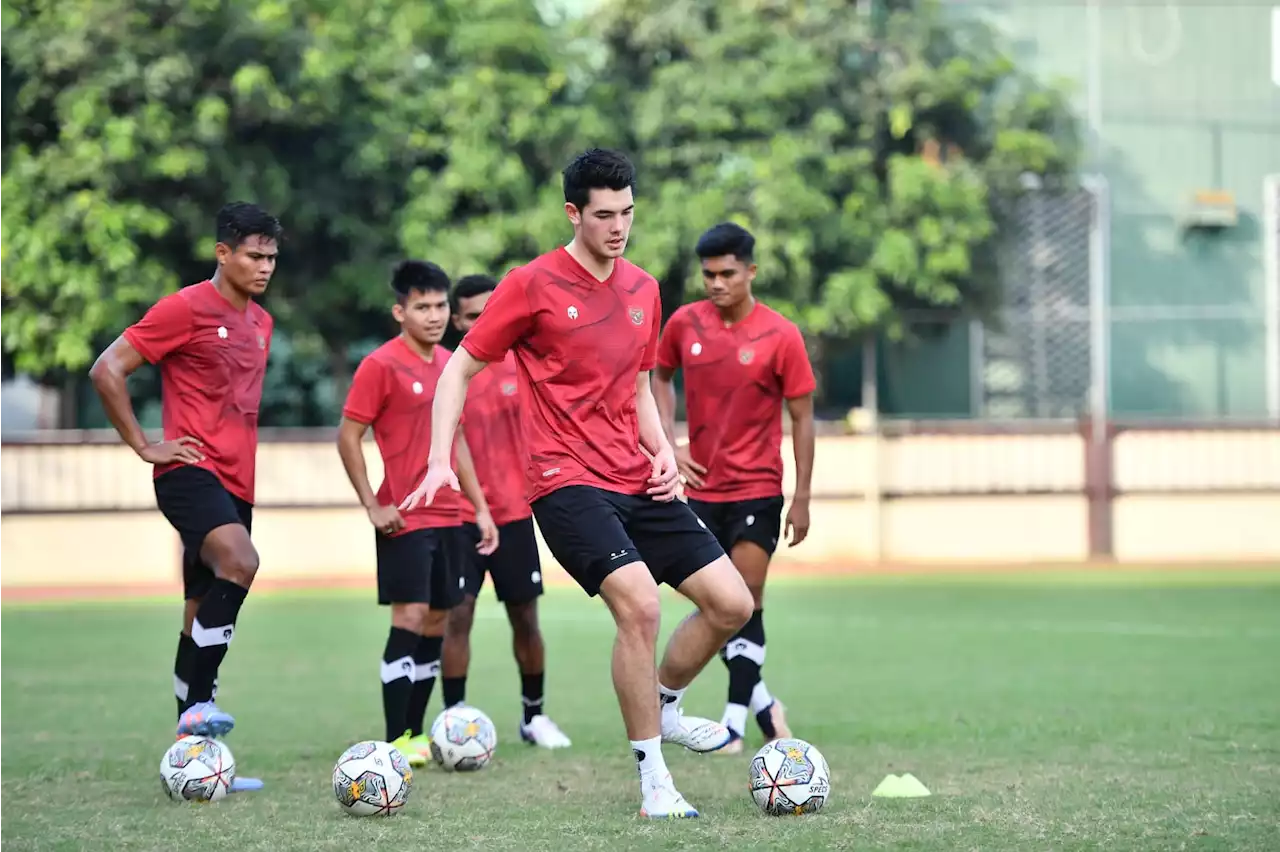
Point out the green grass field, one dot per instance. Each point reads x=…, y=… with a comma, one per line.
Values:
x=1070, y=712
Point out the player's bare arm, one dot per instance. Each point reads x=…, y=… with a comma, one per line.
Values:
x=385, y=519
x=470, y=483
x=802, y=444
x=446, y=409
x=664, y=484
x=110, y=375
x=664, y=394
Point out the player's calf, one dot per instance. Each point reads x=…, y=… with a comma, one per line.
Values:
x=456, y=660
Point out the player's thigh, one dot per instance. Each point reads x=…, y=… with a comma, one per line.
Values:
x=584, y=531
x=515, y=566
x=212, y=525
x=753, y=530
x=448, y=583
x=474, y=565
x=404, y=567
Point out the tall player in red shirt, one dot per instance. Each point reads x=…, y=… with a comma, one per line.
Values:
x=420, y=553
x=211, y=342
x=491, y=425
x=583, y=323
x=741, y=362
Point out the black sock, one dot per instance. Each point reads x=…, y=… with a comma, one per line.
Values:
x=426, y=668
x=214, y=627
x=531, y=695
x=743, y=655
x=455, y=690
x=182, y=664
x=397, y=680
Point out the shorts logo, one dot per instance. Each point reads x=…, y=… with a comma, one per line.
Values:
x=508, y=388
x=222, y=332
x=745, y=354
x=417, y=387
x=536, y=577
x=751, y=519
x=696, y=348
x=637, y=316
x=573, y=312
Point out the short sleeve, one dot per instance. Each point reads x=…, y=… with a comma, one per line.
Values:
x=794, y=368
x=669, y=344
x=163, y=329
x=651, y=350
x=505, y=319
x=368, y=393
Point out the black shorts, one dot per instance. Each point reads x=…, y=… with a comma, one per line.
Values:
x=591, y=532
x=421, y=567
x=758, y=521
x=514, y=566
x=195, y=503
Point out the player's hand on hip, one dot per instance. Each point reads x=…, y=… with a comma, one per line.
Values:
x=665, y=480
x=488, y=534
x=689, y=469
x=184, y=450
x=438, y=475
x=386, y=519
x=797, y=527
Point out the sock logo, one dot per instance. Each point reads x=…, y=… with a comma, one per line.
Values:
x=639, y=755
x=227, y=634
x=668, y=699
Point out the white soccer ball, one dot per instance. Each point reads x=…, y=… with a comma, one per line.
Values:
x=197, y=769
x=372, y=778
x=789, y=777
x=463, y=739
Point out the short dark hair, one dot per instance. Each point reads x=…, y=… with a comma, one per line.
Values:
x=470, y=286
x=239, y=220
x=421, y=275
x=727, y=238
x=598, y=168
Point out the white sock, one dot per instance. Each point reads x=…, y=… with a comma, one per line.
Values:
x=735, y=718
x=670, y=702
x=649, y=759
x=760, y=697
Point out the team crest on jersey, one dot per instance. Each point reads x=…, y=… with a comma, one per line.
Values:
x=637, y=316
x=745, y=354
x=508, y=388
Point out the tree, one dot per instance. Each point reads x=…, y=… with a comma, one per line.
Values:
x=868, y=153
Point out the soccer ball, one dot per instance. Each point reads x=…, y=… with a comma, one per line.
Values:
x=197, y=769
x=372, y=778
x=463, y=739
x=789, y=777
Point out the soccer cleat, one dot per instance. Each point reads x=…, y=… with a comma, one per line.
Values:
x=414, y=749
x=245, y=785
x=776, y=715
x=694, y=733
x=205, y=720
x=734, y=746
x=541, y=731
x=663, y=801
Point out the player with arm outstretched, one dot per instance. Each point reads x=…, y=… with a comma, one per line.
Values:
x=742, y=362
x=583, y=323
x=211, y=342
x=419, y=553
x=491, y=426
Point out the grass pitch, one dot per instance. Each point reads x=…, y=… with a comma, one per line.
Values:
x=1111, y=711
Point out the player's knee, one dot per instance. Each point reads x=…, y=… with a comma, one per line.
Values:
x=434, y=621
x=731, y=608
x=462, y=617
x=240, y=566
x=411, y=617
x=524, y=621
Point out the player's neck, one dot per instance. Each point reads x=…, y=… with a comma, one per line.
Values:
x=599, y=267
x=735, y=314
x=425, y=351
x=238, y=300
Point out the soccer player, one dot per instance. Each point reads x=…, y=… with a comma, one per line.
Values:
x=741, y=362
x=583, y=323
x=211, y=341
x=419, y=553
x=491, y=425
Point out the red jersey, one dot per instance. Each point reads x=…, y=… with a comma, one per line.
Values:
x=212, y=357
x=392, y=391
x=735, y=380
x=579, y=345
x=491, y=425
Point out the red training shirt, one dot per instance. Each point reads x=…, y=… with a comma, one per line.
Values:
x=735, y=380
x=212, y=357
x=491, y=425
x=392, y=391
x=579, y=344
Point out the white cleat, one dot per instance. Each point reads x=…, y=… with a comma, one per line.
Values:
x=663, y=801
x=541, y=731
x=694, y=733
